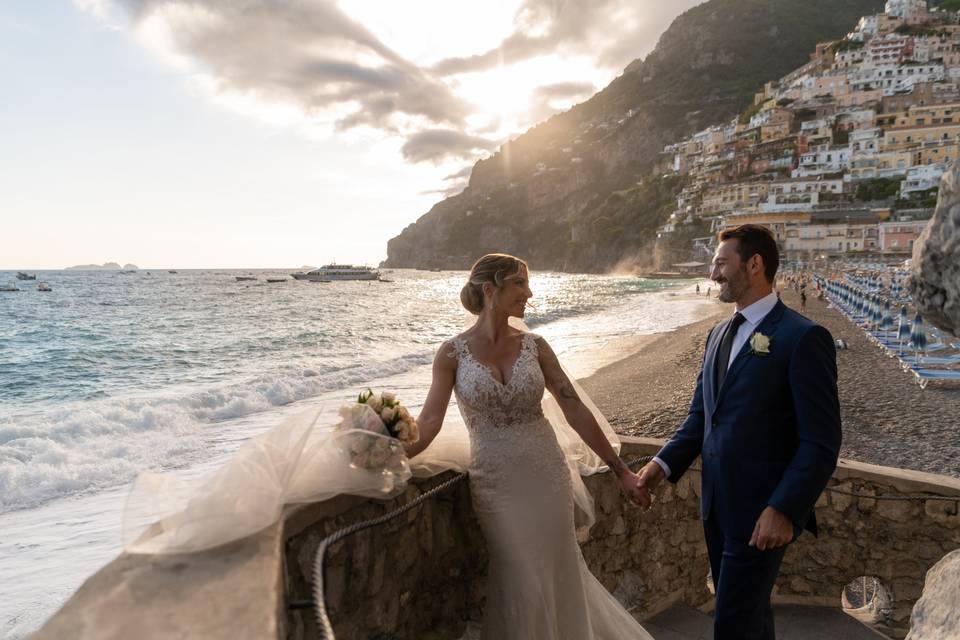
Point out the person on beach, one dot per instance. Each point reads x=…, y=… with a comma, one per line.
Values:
x=523, y=487
x=765, y=420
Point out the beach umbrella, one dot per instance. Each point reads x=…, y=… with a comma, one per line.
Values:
x=918, y=335
x=886, y=321
x=903, y=328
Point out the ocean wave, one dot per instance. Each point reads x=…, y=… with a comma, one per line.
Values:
x=80, y=422
x=93, y=445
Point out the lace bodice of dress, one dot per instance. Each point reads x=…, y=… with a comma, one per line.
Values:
x=485, y=403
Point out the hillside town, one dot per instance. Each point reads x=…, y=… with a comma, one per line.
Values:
x=843, y=156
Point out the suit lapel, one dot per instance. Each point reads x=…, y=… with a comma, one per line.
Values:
x=710, y=368
x=767, y=326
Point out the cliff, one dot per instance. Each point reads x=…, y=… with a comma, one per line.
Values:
x=576, y=193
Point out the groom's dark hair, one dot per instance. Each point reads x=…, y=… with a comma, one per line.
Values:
x=755, y=239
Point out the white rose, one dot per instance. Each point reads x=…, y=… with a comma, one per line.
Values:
x=403, y=431
x=374, y=424
x=375, y=402
x=388, y=414
x=760, y=344
x=389, y=398
x=404, y=414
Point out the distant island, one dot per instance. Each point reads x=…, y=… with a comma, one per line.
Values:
x=106, y=266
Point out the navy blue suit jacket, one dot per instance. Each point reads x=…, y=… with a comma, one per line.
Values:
x=771, y=435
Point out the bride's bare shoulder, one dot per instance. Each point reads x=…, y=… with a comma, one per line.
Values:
x=449, y=350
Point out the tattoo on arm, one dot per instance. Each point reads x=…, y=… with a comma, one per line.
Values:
x=566, y=391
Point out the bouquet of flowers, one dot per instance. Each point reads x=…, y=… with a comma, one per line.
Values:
x=385, y=426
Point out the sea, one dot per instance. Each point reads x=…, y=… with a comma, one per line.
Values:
x=113, y=373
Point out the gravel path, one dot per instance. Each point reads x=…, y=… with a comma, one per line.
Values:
x=887, y=419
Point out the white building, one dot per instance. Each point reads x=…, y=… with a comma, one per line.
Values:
x=790, y=202
x=805, y=185
x=866, y=29
x=865, y=140
x=895, y=78
x=849, y=58
x=825, y=159
x=912, y=11
x=922, y=177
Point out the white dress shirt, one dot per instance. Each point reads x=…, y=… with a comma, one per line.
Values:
x=753, y=315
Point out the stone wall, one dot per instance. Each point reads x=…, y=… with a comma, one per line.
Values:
x=896, y=541
x=422, y=576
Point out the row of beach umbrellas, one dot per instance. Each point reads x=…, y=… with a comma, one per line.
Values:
x=858, y=297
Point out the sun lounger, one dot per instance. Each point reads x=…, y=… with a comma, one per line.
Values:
x=924, y=376
x=910, y=362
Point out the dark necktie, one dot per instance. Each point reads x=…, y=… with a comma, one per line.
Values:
x=723, y=354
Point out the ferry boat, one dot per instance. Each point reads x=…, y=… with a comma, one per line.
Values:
x=43, y=286
x=331, y=272
x=21, y=275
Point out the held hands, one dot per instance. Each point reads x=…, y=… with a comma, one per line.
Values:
x=637, y=494
x=773, y=529
x=649, y=477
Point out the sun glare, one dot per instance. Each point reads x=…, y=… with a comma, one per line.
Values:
x=509, y=93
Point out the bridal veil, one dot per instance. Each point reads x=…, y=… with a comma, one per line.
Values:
x=305, y=459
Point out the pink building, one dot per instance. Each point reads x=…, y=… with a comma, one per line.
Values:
x=898, y=237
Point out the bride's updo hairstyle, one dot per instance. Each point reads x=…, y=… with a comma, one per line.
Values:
x=495, y=268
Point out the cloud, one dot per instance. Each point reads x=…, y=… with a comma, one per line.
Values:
x=549, y=99
x=612, y=32
x=435, y=145
x=459, y=175
x=310, y=54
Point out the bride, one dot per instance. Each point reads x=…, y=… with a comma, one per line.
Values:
x=538, y=587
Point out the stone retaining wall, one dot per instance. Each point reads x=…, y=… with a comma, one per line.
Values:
x=422, y=576
x=896, y=541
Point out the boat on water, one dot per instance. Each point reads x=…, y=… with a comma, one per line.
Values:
x=333, y=272
x=10, y=287
x=245, y=278
x=171, y=271
x=43, y=286
x=276, y=279
x=22, y=275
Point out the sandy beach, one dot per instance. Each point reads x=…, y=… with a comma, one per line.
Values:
x=887, y=418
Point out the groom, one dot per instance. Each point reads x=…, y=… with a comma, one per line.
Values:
x=765, y=419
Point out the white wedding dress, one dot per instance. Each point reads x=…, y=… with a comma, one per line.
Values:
x=538, y=585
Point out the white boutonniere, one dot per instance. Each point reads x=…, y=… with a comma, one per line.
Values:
x=760, y=344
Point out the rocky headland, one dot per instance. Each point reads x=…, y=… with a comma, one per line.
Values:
x=581, y=191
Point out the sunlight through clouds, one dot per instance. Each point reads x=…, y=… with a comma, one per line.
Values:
x=450, y=92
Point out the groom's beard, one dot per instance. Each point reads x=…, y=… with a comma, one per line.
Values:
x=733, y=288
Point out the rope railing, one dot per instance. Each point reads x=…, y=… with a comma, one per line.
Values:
x=325, y=627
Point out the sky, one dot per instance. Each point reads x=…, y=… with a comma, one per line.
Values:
x=274, y=133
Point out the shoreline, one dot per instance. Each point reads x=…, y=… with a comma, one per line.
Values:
x=887, y=419
x=647, y=392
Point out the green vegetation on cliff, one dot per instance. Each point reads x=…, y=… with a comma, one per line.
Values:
x=548, y=194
